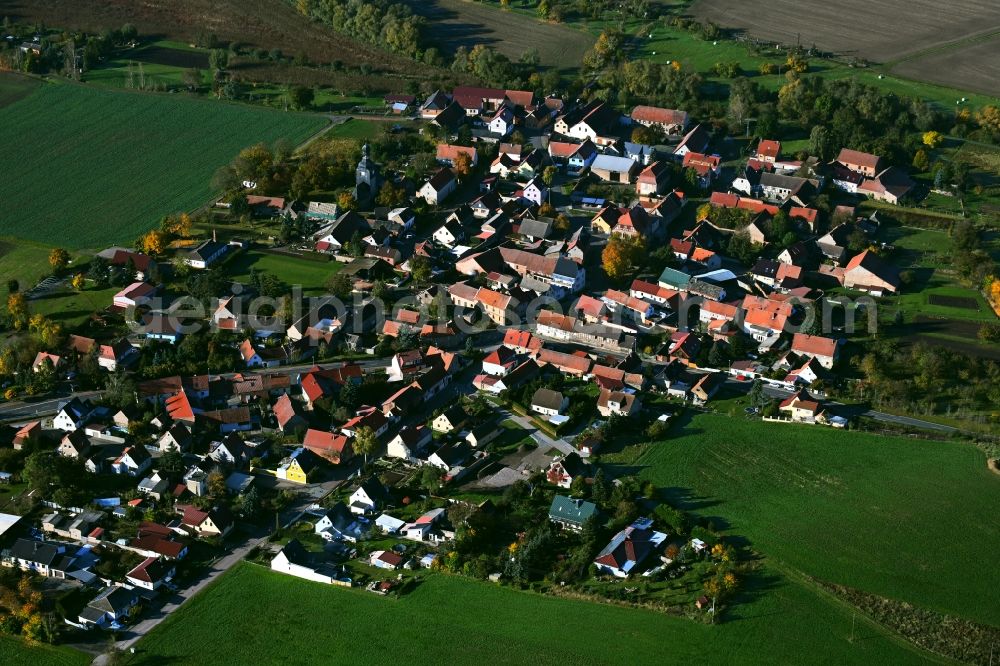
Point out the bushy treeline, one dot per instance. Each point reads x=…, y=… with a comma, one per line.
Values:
x=391, y=25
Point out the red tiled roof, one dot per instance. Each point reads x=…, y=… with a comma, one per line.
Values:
x=326, y=444
x=179, y=407
x=769, y=148
x=447, y=151
x=803, y=343
x=858, y=158
x=655, y=114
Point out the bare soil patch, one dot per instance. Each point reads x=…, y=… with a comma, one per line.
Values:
x=266, y=24
x=162, y=55
x=878, y=31
x=926, y=330
x=974, y=67
x=961, y=302
x=454, y=23
x=14, y=87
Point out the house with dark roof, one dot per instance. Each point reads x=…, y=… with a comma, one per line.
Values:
x=109, y=608
x=438, y=187
x=571, y=513
x=205, y=254
x=369, y=497
x=339, y=524
x=548, y=402
x=46, y=558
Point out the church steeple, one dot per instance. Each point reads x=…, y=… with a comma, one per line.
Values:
x=367, y=179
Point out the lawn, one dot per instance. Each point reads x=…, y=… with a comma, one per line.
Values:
x=310, y=275
x=23, y=261
x=353, y=128
x=254, y=615
x=87, y=167
x=903, y=518
x=16, y=651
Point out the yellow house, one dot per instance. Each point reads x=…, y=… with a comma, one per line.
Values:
x=605, y=220
x=298, y=467
x=801, y=408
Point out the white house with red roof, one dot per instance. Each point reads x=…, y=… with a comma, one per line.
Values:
x=150, y=574
x=671, y=121
x=446, y=154
x=768, y=151
x=134, y=295
x=824, y=350
x=499, y=362
x=332, y=447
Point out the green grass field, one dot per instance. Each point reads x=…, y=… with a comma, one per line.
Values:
x=86, y=168
x=311, y=275
x=255, y=615
x=354, y=128
x=15, y=651
x=906, y=519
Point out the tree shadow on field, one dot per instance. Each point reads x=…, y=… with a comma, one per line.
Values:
x=142, y=659
x=754, y=586
x=686, y=500
x=621, y=470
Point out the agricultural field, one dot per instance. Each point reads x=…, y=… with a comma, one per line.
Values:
x=463, y=23
x=266, y=24
x=874, y=31
x=16, y=651
x=245, y=616
x=86, y=168
x=973, y=65
x=877, y=34
x=15, y=88
x=663, y=43
x=902, y=518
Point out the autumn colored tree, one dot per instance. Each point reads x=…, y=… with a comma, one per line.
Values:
x=704, y=212
x=58, y=259
x=153, y=242
x=216, y=483
x=932, y=139
x=77, y=281
x=920, y=161
x=17, y=310
x=622, y=255
x=549, y=175
x=796, y=63
x=391, y=195
x=346, y=201
x=462, y=165
x=365, y=441
x=988, y=118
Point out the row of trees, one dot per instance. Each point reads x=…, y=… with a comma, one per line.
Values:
x=389, y=24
